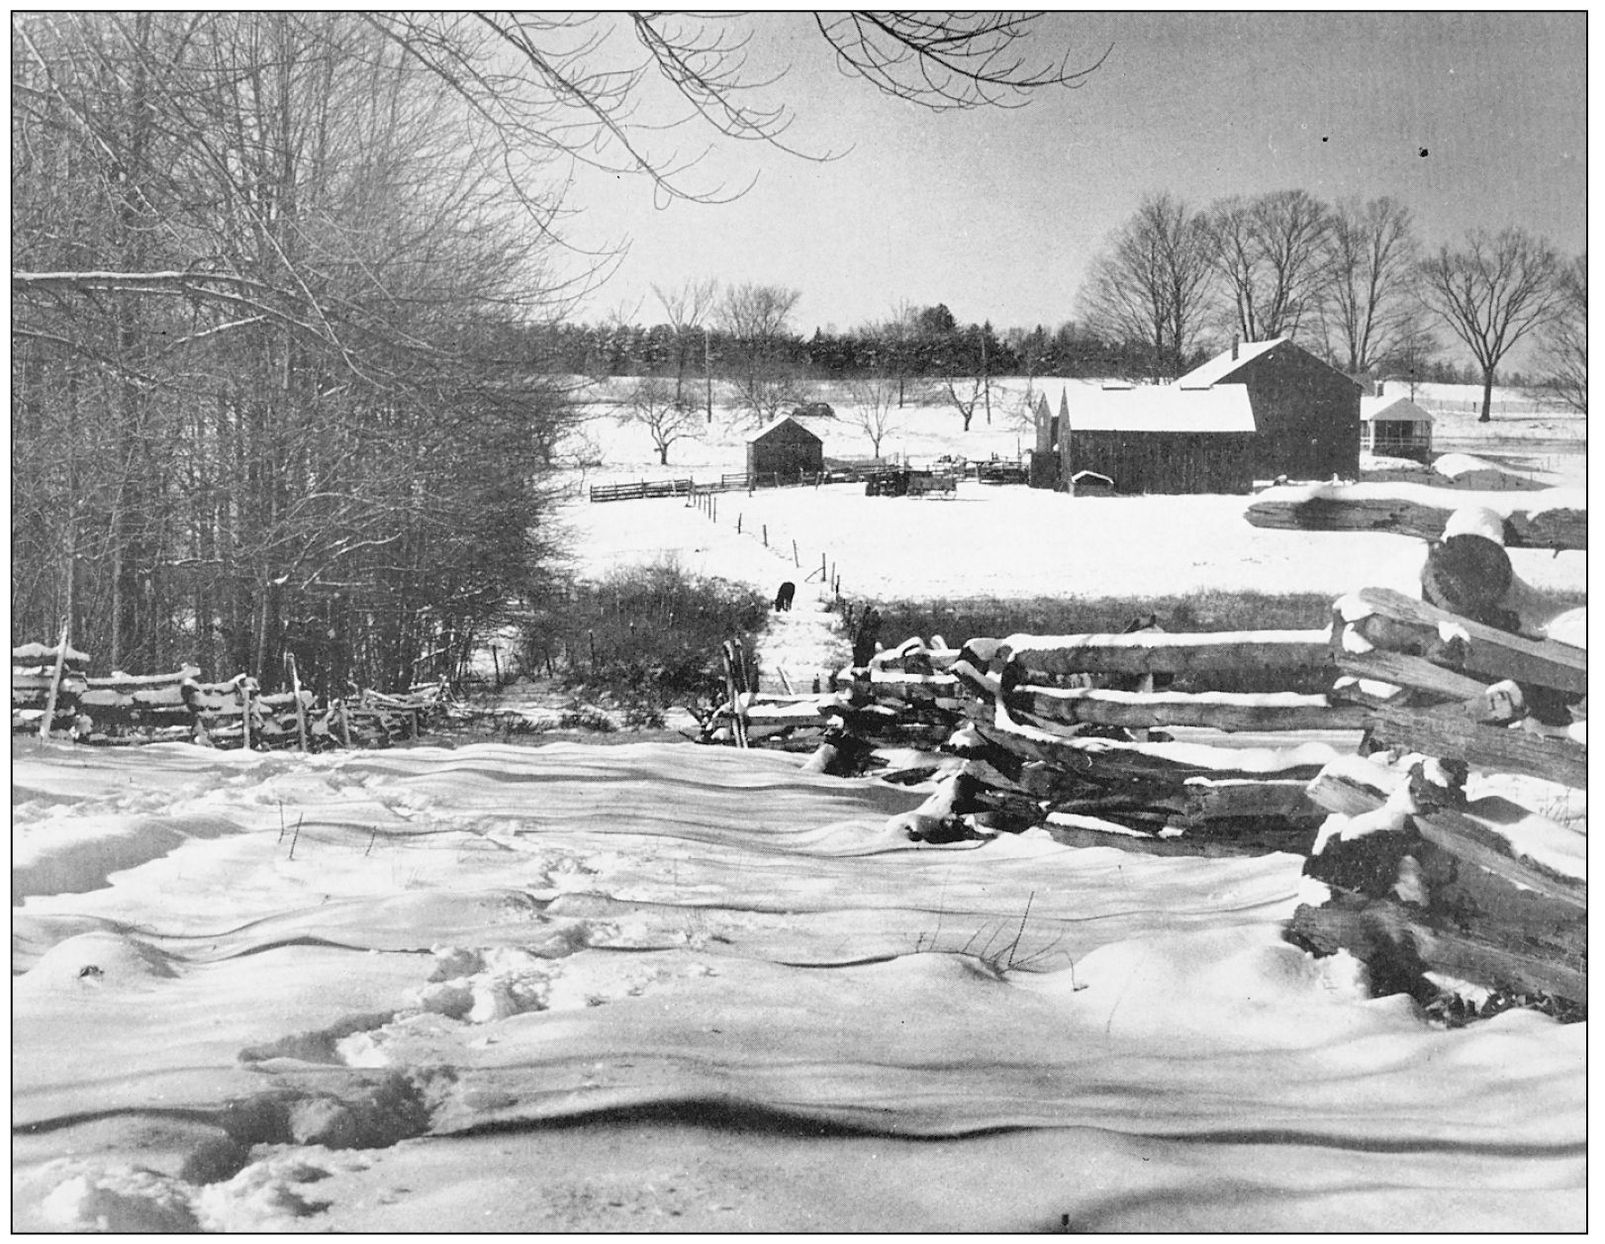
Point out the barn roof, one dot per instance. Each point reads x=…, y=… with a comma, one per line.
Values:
x=1397, y=408
x=1161, y=408
x=774, y=425
x=1223, y=364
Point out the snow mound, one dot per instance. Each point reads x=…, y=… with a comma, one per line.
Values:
x=119, y=1199
x=95, y=961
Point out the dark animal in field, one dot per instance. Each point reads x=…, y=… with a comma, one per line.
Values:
x=784, y=596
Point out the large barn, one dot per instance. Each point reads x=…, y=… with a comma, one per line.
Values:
x=1306, y=413
x=785, y=448
x=1256, y=411
x=1147, y=439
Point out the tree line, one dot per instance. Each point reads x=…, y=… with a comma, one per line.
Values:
x=1171, y=285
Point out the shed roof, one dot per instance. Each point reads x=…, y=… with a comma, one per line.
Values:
x=1223, y=364
x=1162, y=408
x=1398, y=408
x=774, y=425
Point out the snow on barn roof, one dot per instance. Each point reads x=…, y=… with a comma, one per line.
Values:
x=1397, y=408
x=1224, y=364
x=778, y=423
x=1161, y=408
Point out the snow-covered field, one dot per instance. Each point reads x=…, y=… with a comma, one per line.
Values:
x=1012, y=542
x=661, y=987
x=657, y=987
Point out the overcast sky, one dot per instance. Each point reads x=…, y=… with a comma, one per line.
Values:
x=1471, y=119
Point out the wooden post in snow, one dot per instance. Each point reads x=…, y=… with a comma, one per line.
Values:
x=795, y=560
x=55, y=684
x=300, y=709
x=245, y=712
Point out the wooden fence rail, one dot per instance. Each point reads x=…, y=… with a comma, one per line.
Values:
x=50, y=694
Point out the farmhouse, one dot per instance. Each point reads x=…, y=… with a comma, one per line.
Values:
x=1306, y=414
x=1145, y=439
x=785, y=448
x=1395, y=427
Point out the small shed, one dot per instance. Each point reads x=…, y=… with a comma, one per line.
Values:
x=1091, y=484
x=786, y=449
x=1395, y=427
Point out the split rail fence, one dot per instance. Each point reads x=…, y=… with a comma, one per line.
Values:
x=52, y=696
x=1402, y=782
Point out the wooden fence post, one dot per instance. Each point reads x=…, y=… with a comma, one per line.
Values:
x=55, y=685
x=245, y=712
x=766, y=535
x=795, y=559
x=300, y=709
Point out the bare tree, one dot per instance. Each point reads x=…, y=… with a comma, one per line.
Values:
x=651, y=404
x=1370, y=304
x=946, y=60
x=1491, y=293
x=1565, y=341
x=964, y=393
x=1411, y=355
x=1152, y=284
x=1270, y=254
x=269, y=271
x=757, y=318
x=874, y=399
x=686, y=307
x=895, y=339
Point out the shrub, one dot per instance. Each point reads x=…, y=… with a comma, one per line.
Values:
x=656, y=630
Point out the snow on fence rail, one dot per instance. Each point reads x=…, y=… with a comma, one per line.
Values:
x=54, y=697
x=1556, y=518
x=1425, y=883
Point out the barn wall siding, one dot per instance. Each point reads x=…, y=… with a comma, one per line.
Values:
x=1164, y=462
x=1308, y=416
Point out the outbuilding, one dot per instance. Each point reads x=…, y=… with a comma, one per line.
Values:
x=1306, y=413
x=1158, y=439
x=1395, y=427
x=786, y=449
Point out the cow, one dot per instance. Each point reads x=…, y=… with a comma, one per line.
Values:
x=784, y=596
